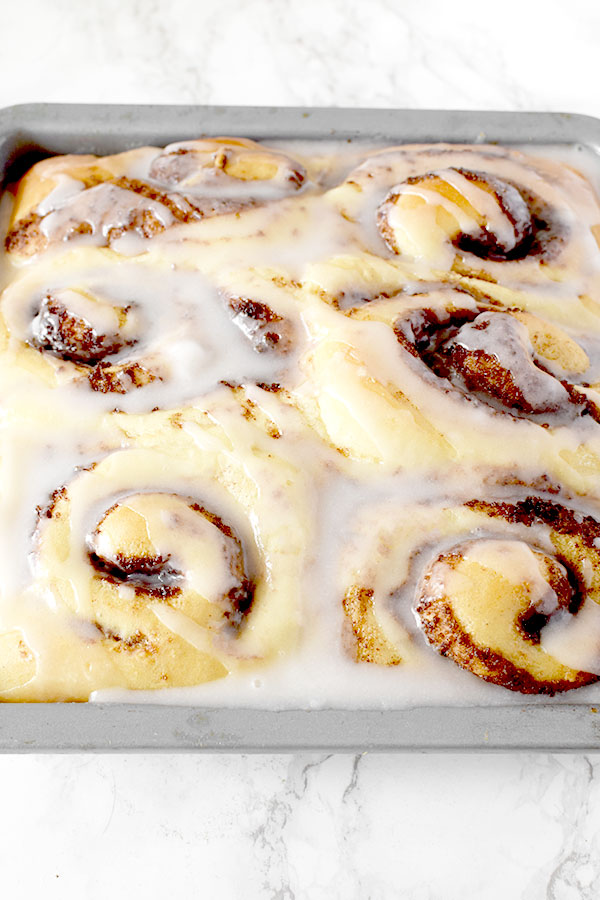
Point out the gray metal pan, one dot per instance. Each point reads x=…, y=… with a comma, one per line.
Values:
x=30, y=132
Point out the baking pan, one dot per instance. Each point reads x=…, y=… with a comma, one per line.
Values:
x=33, y=131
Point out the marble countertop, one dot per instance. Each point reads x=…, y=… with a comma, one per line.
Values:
x=289, y=827
x=369, y=827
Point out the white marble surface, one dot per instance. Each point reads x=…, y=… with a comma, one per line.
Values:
x=290, y=827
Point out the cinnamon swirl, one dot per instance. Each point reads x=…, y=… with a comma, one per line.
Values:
x=80, y=320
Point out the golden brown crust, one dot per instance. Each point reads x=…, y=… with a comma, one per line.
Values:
x=445, y=634
x=370, y=643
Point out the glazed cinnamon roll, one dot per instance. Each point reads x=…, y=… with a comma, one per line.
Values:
x=144, y=192
x=149, y=556
x=500, y=588
x=439, y=379
x=79, y=320
x=481, y=211
x=172, y=562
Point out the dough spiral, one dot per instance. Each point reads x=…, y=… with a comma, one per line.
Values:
x=485, y=212
x=487, y=582
x=169, y=562
x=434, y=379
x=116, y=328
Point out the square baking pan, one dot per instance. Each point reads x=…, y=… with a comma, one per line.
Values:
x=34, y=131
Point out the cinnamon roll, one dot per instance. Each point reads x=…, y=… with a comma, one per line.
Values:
x=497, y=587
x=486, y=212
x=147, y=555
x=113, y=330
x=440, y=379
x=171, y=562
x=510, y=360
x=144, y=192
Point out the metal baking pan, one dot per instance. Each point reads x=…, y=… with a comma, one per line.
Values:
x=33, y=131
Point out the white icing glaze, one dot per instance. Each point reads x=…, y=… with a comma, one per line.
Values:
x=502, y=336
x=65, y=191
x=185, y=539
x=562, y=192
x=179, y=321
x=575, y=639
x=177, y=287
x=103, y=208
x=202, y=178
x=481, y=200
x=496, y=218
x=517, y=562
